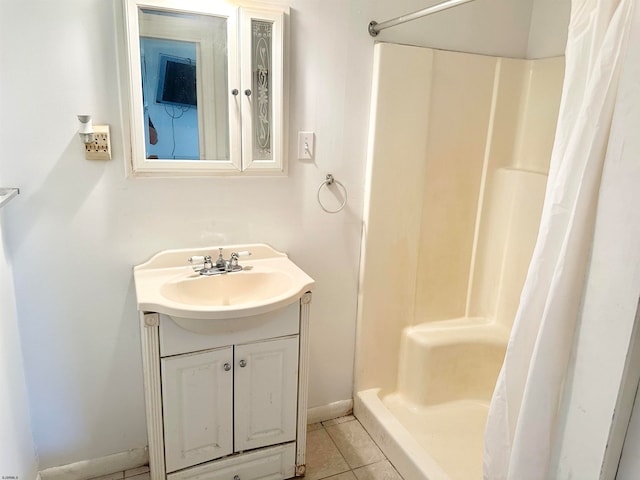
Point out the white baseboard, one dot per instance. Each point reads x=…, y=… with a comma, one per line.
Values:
x=330, y=411
x=99, y=466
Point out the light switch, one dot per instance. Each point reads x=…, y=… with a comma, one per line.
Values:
x=306, y=145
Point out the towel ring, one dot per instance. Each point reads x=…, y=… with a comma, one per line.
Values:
x=329, y=180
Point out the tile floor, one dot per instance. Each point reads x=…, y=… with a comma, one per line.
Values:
x=341, y=449
x=338, y=449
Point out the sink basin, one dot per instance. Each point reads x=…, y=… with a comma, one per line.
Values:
x=228, y=289
x=167, y=284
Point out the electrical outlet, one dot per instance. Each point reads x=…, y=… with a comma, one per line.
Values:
x=100, y=148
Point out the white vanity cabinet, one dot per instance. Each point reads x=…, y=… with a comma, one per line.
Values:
x=228, y=403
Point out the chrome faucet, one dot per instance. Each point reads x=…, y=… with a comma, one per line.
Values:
x=205, y=266
x=220, y=263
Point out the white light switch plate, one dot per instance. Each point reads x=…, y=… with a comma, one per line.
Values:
x=306, y=145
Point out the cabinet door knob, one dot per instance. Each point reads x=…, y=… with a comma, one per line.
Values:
x=234, y=92
x=226, y=367
x=243, y=363
x=247, y=92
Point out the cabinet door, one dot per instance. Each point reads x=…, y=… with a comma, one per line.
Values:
x=197, y=391
x=266, y=392
x=262, y=78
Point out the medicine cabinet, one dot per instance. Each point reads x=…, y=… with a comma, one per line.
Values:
x=205, y=88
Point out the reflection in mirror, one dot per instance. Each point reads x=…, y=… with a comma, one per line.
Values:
x=185, y=118
x=170, y=99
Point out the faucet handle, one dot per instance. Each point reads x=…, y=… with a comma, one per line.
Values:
x=200, y=263
x=233, y=260
x=197, y=262
x=235, y=255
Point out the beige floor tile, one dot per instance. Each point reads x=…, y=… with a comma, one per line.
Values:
x=339, y=420
x=355, y=444
x=377, y=471
x=136, y=471
x=323, y=458
x=111, y=476
x=342, y=476
x=313, y=426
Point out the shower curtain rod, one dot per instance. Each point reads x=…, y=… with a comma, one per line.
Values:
x=375, y=27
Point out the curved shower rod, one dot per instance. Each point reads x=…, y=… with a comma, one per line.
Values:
x=375, y=27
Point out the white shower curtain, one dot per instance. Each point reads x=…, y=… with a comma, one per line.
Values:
x=522, y=418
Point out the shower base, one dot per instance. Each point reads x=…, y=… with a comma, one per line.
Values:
x=439, y=442
x=451, y=432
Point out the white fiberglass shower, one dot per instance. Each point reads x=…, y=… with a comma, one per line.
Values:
x=459, y=149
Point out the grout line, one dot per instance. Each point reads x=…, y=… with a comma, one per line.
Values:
x=353, y=469
x=337, y=448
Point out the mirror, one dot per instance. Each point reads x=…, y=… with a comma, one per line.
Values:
x=185, y=117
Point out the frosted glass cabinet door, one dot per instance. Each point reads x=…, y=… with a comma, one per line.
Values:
x=262, y=78
x=197, y=391
x=266, y=393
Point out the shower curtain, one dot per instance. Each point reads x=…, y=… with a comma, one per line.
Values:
x=523, y=414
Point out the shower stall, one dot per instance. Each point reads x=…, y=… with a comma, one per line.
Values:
x=459, y=149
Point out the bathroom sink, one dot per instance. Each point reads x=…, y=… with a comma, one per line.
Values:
x=239, y=288
x=167, y=284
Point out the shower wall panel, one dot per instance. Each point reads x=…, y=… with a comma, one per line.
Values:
x=461, y=92
x=395, y=179
x=487, y=114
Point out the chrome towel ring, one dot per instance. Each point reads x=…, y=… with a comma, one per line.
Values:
x=329, y=180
